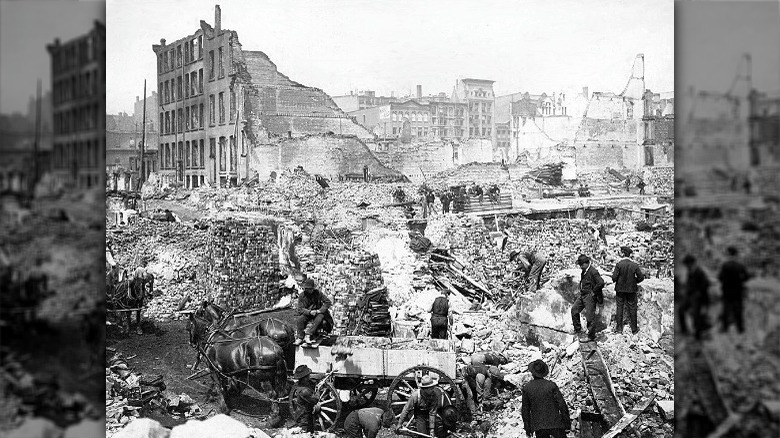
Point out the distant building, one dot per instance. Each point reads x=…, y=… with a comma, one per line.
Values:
x=764, y=128
x=448, y=119
x=361, y=100
x=123, y=152
x=480, y=99
x=388, y=121
x=658, y=128
x=152, y=123
x=78, y=104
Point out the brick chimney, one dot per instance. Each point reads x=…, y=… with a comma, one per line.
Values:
x=217, y=18
x=162, y=42
x=419, y=91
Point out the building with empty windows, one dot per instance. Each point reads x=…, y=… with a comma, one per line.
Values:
x=78, y=106
x=216, y=102
x=390, y=121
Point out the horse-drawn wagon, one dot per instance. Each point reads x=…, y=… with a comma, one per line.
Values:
x=350, y=369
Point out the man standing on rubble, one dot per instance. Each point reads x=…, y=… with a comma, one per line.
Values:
x=445, y=199
x=732, y=277
x=641, y=186
x=544, y=411
x=532, y=263
x=697, y=298
x=440, y=316
x=313, y=310
x=627, y=276
x=430, y=198
x=591, y=285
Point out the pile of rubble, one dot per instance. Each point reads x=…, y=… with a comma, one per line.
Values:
x=30, y=405
x=174, y=253
x=130, y=396
x=218, y=425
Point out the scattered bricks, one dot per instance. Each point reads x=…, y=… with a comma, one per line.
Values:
x=666, y=409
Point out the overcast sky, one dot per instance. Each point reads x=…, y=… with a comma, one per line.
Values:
x=343, y=45
x=712, y=37
x=26, y=27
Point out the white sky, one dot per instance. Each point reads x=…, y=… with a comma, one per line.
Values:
x=713, y=35
x=381, y=45
x=26, y=27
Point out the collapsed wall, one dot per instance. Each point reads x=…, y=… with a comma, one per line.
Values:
x=329, y=156
x=417, y=160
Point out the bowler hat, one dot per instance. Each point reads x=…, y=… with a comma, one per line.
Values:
x=308, y=284
x=301, y=371
x=538, y=368
x=427, y=381
x=626, y=251
x=582, y=259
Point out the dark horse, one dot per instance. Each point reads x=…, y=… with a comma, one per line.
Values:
x=125, y=293
x=247, y=326
x=235, y=360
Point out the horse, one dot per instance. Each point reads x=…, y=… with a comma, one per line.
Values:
x=245, y=326
x=127, y=293
x=236, y=360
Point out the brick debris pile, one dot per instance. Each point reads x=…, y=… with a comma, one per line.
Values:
x=344, y=272
x=241, y=266
x=174, y=251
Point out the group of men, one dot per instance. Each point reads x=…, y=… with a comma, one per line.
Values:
x=696, y=298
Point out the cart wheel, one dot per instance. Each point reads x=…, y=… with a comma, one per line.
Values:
x=330, y=410
x=406, y=382
x=365, y=393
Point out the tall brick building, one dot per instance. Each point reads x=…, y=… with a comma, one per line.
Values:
x=78, y=105
x=217, y=101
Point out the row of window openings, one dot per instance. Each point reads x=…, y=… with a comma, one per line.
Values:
x=165, y=60
x=66, y=156
x=476, y=106
x=77, y=119
x=85, y=84
x=480, y=93
x=193, y=86
x=475, y=131
x=191, y=117
x=193, y=154
x=73, y=55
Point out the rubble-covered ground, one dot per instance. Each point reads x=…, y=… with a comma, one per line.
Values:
x=358, y=215
x=48, y=364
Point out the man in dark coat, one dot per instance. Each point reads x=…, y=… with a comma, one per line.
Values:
x=440, y=313
x=445, y=199
x=532, y=264
x=591, y=285
x=696, y=299
x=303, y=399
x=544, y=411
x=732, y=277
x=313, y=310
x=627, y=276
x=641, y=187
x=368, y=421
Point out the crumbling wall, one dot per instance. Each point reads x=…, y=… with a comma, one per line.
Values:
x=329, y=156
x=600, y=155
x=417, y=160
x=482, y=174
x=476, y=150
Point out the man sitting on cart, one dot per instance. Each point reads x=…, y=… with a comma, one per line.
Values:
x=314, y=313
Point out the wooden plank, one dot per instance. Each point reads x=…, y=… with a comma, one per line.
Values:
x=629, y=417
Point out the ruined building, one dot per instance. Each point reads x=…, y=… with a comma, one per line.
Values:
x=78, y=104
x=217, y=102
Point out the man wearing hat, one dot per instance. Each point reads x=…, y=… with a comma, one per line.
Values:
x=627, y=276
x=696, y=299
x=303, y=399
x=531, y=265
x=544, y=411
x=313, y=310
x=424, y=403
x=591, y=285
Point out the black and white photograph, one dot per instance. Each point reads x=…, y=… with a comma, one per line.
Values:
x=347, y=219
x=52, y=225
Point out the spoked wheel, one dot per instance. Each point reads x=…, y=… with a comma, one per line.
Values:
x=408, y=381
x=330, y=410
x=364, y=393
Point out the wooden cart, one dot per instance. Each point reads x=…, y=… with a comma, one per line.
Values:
x=375, y=364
